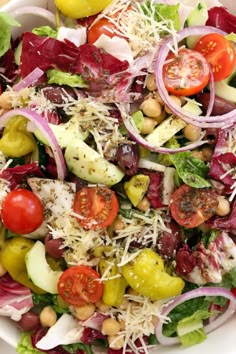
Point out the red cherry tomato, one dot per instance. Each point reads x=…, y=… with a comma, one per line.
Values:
x=190, y=207
x=187, y=73
x=80, y=285
x=98, y=207
x=219, y=53
x=103, y=26
x=22, y=211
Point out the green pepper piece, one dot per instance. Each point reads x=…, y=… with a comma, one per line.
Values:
x=147, y=276
x=114, y=289
x=16, y=140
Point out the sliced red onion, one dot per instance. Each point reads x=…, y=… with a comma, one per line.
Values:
x=201, y=121
x=204, y=291
x=143, y=142
x=45, y=129
x=29, y=80
x=212, y=94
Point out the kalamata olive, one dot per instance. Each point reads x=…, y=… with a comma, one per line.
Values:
x=221, y=106
x=169, y=242
x=127, y=158
x=29, y=321
x=57, y=94
x=53, y=246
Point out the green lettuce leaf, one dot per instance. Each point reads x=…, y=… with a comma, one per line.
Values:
x=164, y=12
x=190, y=329
x=45, y=31
x=61, y=78
x=25, y=345
x=190, y=169
x=73, y=348
x=6, y=22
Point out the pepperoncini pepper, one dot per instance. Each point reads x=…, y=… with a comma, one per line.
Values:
x=147, y=276
x=12, y=258
x=16, y=141
x=114, y=289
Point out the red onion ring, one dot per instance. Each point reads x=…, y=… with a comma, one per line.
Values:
x=43, y=126
x=34, y=10
x=143, y=142
x=29, y=80
x=204, y=291
x=205, y=122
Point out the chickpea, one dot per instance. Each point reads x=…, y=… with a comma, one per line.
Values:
x=192, y=133
x=102, y=307
x=148, y=125
x=116, y=342
x=122, y=325
x=161, y=117
x=151, y=108
x=125, y=303
x=144, y=204
x=151, y=82
x=47, y=317
x=5, y=100
x=3, y=271
x=118, y=224
x=110, y=327
x=84, y=312
x=177, y=100
x=223, y=207
x=158, y=98
x=207, y=152
x=198, y=154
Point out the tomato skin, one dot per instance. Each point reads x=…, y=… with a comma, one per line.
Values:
x=190, y=207
x=103, y=26
x=79, y=285
x=22, y=211
x=219, y=53
x=98, y=207
x=186, y=74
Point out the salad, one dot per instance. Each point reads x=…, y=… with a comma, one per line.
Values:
x=117, y=173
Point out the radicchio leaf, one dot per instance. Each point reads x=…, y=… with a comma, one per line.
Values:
x=219, y=17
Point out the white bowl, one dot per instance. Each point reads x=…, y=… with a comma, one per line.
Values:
x=221, y=341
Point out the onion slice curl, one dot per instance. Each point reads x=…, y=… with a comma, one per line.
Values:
x=204, y=291
x=40, y=123
x=29, y=80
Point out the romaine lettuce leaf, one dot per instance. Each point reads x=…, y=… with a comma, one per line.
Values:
x=25, y=345
x=45, y=31
x=6, y=22
x=62, y=78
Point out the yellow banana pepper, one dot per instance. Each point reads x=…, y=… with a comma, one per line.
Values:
x=12, y=258
x=16, y=141
x=114, y=289
x=147, y=276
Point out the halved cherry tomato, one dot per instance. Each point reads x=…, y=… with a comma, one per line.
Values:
x=190, y=206
x=22, y=211
x=219, y=53
x=79, y=285
x=103, y=26
x=187, y=73
x=98, y=207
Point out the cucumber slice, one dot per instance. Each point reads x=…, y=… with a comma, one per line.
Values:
x=89, y=165
x=39, y=270
x=172, y=125
x=197, y=17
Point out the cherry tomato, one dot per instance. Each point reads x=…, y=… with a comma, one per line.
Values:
x=98, y=207
x=187, y=73
x=103, y=26
x=219, y=53
x=80, y=285
x=22, y=211
x=190, y=207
